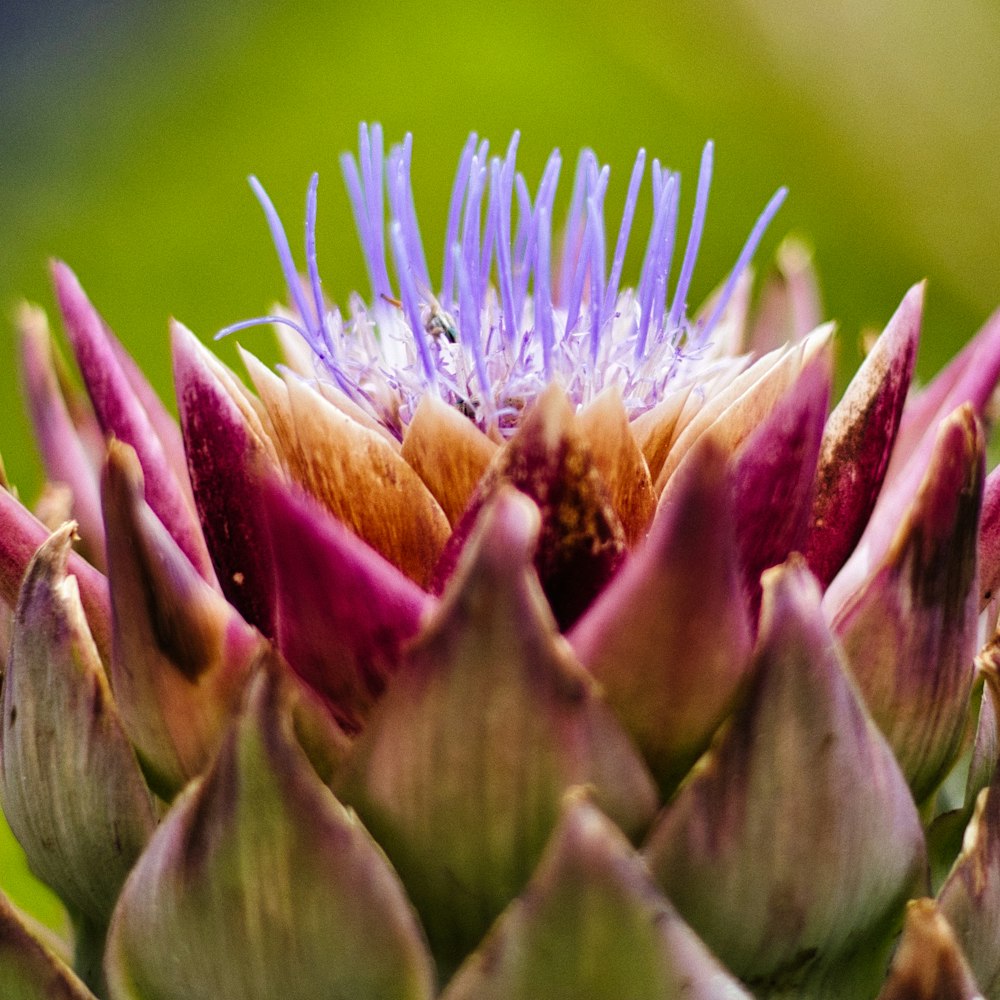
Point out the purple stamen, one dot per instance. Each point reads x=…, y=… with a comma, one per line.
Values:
x=509, y=160
x=544, y=198
x=355, y=194
x=679, y=303
x=313, y=269
x=647, y=274
x=618, y=262
x=523, y=235
x=372, y=167
x=574, y=225
x=596, y=276
x=600, y=188
x=576, y=289
x=659, y=179
x=482, y=154
x=490, y=230
x=659, y=295
x=505, y=279
x=411, y=303
x=665, y=259
x=543, y=287
x=365, y=191
x=524, y=255
x=471, y=224
x=287, y=262
x=411, y=211
x=647, y=284
x=746, y=254
x=401, y=201
x=550, y=179
x=246, y=324
x=481, y=362
x=469, y=322
x=458, y=191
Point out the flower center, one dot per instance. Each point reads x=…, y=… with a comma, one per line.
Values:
x=510, y=316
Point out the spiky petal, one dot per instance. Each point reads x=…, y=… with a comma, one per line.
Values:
x=120, y=410
x=591, y=924
x=858, y=440
x=670, y=656
x=460, y=772
x=264, y=885
x=181, y=653
x=794, y=845
x=909, y=632
x=227, y=450
x=929, y=964
x=344, y=614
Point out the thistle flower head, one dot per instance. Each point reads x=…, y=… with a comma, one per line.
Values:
x=526, y=638
x=553, y=313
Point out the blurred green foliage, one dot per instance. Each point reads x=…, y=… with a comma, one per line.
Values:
x=127, y=131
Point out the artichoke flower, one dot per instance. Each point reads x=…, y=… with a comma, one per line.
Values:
x=530, y=638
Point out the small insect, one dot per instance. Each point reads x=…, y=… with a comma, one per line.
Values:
x=438, y=322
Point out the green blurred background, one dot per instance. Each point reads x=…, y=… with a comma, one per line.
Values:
x=127, y=130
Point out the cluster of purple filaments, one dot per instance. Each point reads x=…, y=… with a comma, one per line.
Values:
x=486, y=346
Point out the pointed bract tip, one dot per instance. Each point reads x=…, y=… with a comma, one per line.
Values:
x=69, y=290
x=929, y=964
x=180, y=331
x=122, y=468
x=791, y=582
x=54, y=551
x=28, y=317
x=507, y=532
x=186, y=349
